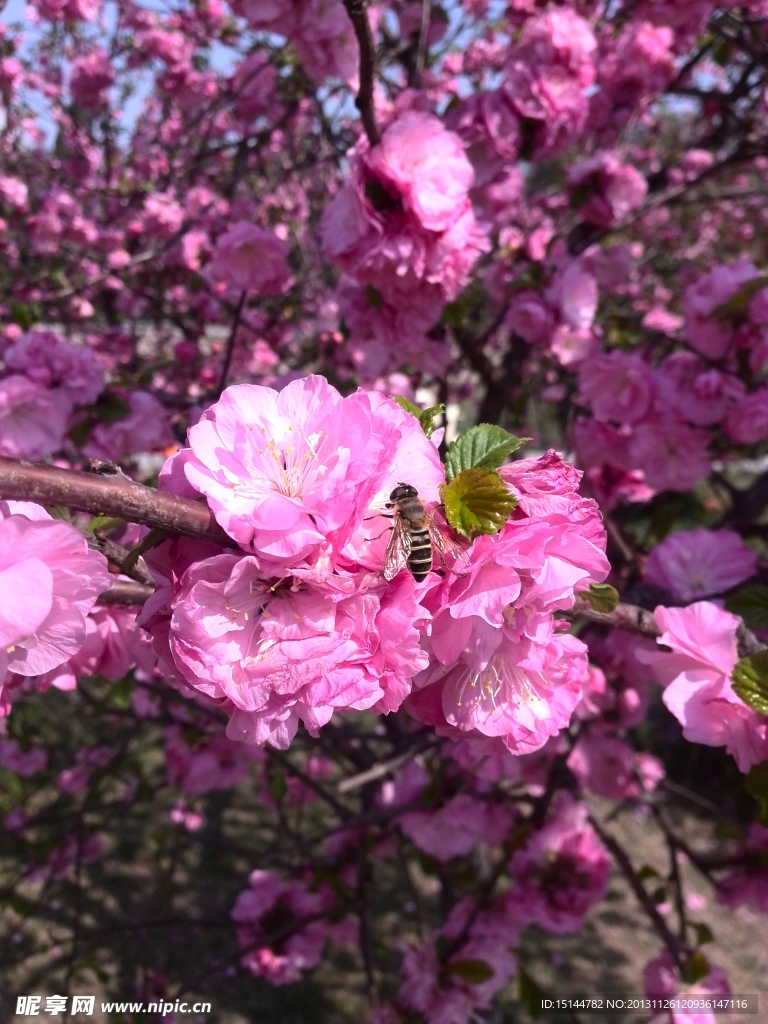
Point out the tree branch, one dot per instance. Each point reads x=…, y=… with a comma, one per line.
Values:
x=111, y=494
x=126, y=592
x=358, y=15
x=634, y=619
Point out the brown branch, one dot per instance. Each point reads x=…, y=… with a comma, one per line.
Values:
x=624, y=616
x=634, y=619
x=632, y=877
x=112, y=495
x=126, y=592
x=358, y=15
x=117, y=554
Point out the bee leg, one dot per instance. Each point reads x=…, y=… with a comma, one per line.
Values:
x=371, y=539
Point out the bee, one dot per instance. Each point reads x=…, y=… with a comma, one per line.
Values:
x=416, y=536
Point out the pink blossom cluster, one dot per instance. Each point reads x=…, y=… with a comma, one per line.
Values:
x=696, y=676
x=500, y=671
x=44, y=379
x=652, y=426
x=443, y=989
x=49, y=582
x=320, y=30
x=277, y=929
x=403, y=224
x=303, y=624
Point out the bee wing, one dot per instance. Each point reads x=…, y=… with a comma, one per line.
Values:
x=398, y=549
x=446, y=545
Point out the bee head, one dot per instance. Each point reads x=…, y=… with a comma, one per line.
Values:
x=403, y=491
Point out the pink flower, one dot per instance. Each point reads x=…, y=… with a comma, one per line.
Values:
x=522, y=700
x=611, y=189
x=697, y=679
x=618, y=385
x=548, y=71
x=163, y=215
x=662, y=979
x=49, y=581
x=253, y=84
x=574, y=292
x=218, y=763
x=33, y=420
x=609, y=767
x=672, y=455
x=22, y=762
x=530, y=318
x=325, y=40
x=490, y=129
x=13, y=192
x=747, y=421
x=455, y=829
x=692, y=564
x=631, y=73
x=251, y=259
x=275, y=912
x=404, y=222
x=320, y=30
x=708, y=334
x=560, y=872
x=747, y=884
x=702, y=396
x=282, y=653
x=440, y=992
x=286, y=472
x=91, y=75
x=146, y=428
x=47, y=359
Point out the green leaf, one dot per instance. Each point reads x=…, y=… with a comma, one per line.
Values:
x=483, y=446
x=111, y=407
x=151, y=540
x=735, y=307
x=424, y=416
x=695, y=968
x=474, y=972
x=477, y=501
x=278, y=787
x=750, y=681
x=427, y=418
x=703, y=933
x=530, y=994
x=80, y=432
x=756, y=784
x=646, y=872
x=751, y=603
x=120, y=693
x=602, y=596
x=404, y=403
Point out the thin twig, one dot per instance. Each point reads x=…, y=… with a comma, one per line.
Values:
x=358, y=15
x=650, y=908
x=230, y=349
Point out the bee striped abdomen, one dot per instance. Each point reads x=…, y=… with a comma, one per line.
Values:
x=420, y=555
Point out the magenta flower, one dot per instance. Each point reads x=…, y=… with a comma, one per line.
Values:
x=692, y=564
x=455, y=829
x=281, y=653
x=404, y=222
x=618, y=386
x=560, y=872
x=711, y=335
x=661, y=978
x=49, y=360
x=747, y=883
x=266, y=911
x=249, y=258
x=49, y=581
x=33, y=419
x=697, y=680
x=287, y=474
x=146, y=428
